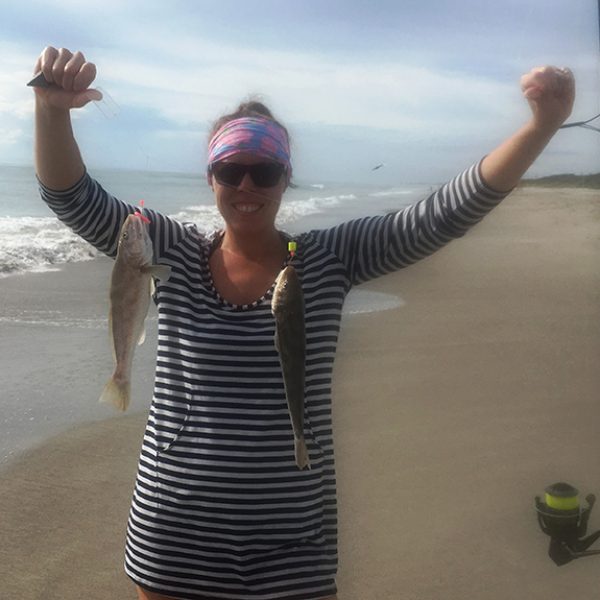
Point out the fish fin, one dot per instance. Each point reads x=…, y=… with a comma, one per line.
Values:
x=116, y=394
x=301, y=453
x=160, y=272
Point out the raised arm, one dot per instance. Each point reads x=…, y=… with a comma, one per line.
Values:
x=373, y=246
x=58, y=161
x=550, y=92
x=79, y=201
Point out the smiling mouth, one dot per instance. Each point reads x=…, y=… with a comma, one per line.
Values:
x=247, y=207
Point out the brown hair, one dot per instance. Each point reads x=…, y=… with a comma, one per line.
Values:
x=251, y=108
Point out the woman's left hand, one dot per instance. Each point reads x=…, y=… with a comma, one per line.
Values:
x=550, y=92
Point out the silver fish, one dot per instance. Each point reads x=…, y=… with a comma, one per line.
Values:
x=130, y=292
x=287, y=307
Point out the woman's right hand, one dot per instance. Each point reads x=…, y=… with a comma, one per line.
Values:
x=70, y=75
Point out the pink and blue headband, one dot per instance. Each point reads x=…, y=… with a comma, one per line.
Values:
x=254, y=135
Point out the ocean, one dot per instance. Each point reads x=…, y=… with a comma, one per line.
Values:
x=51, y=337
x=33, y=240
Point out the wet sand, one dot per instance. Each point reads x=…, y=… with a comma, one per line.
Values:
x=450, y=414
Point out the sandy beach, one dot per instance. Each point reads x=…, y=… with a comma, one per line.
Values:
x=450, y=414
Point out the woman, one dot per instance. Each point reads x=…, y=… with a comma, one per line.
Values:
x=220, y=509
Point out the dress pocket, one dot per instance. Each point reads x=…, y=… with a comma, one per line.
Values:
x=168, y=420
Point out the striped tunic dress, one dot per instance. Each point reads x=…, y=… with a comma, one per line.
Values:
x=220, y=510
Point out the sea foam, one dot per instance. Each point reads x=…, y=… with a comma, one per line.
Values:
x=39, y=243
x=32, y=239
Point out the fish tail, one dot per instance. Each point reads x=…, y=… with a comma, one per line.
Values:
x=116, y=393
x=301, y=453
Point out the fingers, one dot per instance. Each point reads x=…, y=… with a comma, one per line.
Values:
x=38, y=65
x=83, y=98
x=71, y=69
x=553, y=81
x=568, y=81
x=85, y=76
x=46, y=62
x=65, y=69
x=58, y=68
x=550, y=92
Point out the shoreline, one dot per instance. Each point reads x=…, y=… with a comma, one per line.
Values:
x=56, y=311
x=450, y=414
x=56, y=355
x=312, y=220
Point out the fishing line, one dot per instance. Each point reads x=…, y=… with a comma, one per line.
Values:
x=110, y=109
x=583, y=124
x=586, y=124
x=107, y=106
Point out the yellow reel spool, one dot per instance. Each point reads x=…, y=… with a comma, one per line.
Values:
x=562, y=502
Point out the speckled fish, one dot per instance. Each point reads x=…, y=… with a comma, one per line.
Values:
x=287, y=307
x=130, y=292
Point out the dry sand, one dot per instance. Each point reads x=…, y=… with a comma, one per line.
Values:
x=450, y=414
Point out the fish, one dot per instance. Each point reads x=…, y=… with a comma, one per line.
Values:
x=287, y=306
x=131, y=287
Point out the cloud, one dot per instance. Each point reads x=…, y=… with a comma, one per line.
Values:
x=303, y=87
x=16, y=99
x=16, y=102
x=10, y=136
x=357, y=90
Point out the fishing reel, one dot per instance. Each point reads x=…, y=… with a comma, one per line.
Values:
x=562, y=518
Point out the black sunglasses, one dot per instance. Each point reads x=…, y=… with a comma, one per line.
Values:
x=264, y=175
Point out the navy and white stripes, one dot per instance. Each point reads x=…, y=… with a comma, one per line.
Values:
x=220, y=509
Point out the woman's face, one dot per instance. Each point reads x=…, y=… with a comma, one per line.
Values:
x=248, y=207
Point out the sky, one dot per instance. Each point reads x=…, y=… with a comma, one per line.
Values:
x=425, y=86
